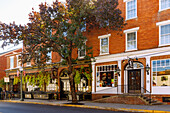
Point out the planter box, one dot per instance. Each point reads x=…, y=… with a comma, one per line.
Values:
x=70, y=97
x=29, y=96
x=41, y=96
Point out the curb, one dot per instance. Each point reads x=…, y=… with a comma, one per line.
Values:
x=90, y=107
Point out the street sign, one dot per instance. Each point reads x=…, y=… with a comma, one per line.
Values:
x=6, y=79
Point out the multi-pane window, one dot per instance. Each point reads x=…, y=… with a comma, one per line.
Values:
x=11, y=62
x=104, y=45
x=81, y=52
x=131, y=9
x=165, y=34
x=49, y=55
x=164, y=4
x=106, y=76
x=131, y=41
x=161, y=72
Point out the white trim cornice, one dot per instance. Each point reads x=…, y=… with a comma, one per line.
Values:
x=104, y=36
x=126, y=0
x=138, y=54
x=131, y=30
x=163, y=23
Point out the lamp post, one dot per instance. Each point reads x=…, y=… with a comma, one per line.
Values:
x=21, y=70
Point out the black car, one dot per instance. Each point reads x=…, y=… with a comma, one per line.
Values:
x=0, y=92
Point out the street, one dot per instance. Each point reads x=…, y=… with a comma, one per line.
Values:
x=35, y=108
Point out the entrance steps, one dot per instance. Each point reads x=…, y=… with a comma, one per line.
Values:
x=137, y=99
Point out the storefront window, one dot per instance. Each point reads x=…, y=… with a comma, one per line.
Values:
x=106, y=76
x=161, y=72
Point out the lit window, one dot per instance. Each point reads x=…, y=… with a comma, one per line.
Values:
x=106, y=76
x=161, y=72
x=131, y=9
x=11, y=62
x=164, y=4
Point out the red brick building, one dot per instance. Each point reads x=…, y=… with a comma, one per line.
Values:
x=4, y=62
x=144, y=44
x=141, y=53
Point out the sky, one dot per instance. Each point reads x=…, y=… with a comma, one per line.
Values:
x=18, y=10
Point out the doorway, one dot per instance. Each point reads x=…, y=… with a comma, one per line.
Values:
x=134, y=81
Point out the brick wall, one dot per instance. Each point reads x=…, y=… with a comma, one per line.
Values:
x=5, y=62
x=147, y=36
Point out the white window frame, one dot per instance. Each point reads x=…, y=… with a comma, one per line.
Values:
x=50, y=60
x=80, y=57
x=152, y=72
x=12, y=57
x=126, y=10
x=160, y=8
x=131, y=31
x=162, y=24
x=101, y=37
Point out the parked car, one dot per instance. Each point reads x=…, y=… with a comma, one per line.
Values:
x=0, y=93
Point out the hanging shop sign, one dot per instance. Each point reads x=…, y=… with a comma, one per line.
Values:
x=6, y=79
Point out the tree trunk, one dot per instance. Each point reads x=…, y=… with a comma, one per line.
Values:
x=72, y=84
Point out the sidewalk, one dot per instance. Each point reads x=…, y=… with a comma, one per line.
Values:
x=103, y=106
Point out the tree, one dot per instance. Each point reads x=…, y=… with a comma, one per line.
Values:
x=59, y=28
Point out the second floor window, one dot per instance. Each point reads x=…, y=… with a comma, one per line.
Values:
x=49, y=55
x=11, y=62
x=164, y=4
x=82, y=51
x=104, y=46
x=131, y=9
x=165, y=34
x=131, y=41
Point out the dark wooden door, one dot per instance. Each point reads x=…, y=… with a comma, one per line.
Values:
x=134, y=81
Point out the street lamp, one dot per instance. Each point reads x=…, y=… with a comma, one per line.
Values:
x=21, y=70
x=118, y=71
x=147, y=69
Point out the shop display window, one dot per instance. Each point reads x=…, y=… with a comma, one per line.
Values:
x=161, y=72
x=106, y=76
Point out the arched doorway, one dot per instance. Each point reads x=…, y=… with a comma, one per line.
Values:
x=64, y=84
x=134, y=78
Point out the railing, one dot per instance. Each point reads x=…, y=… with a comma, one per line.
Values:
x=133, y=89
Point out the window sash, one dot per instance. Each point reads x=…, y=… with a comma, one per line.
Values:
x=131, y=9
x=104, y=45
x=165, y=4
x=49, y=54
x=165, y=34
x=131, y=41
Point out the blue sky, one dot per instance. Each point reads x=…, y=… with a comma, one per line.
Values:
x=18, y=10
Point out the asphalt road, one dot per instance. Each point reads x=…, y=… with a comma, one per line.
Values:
x=35, y=108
